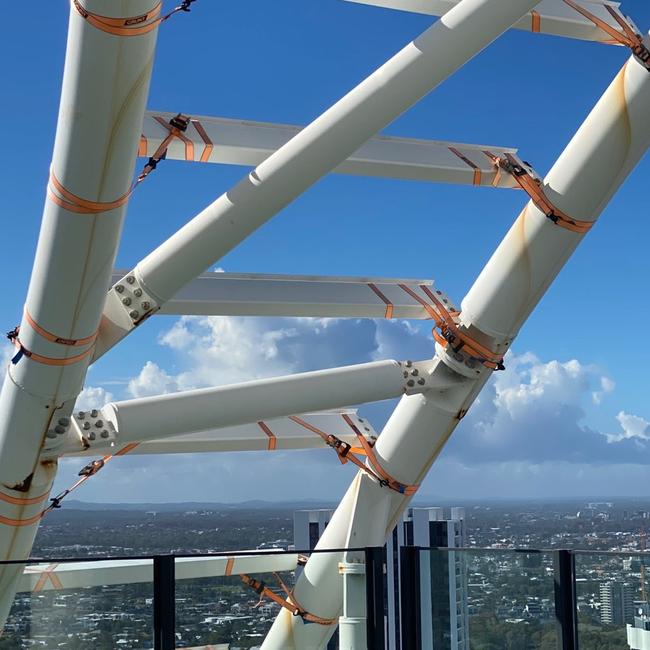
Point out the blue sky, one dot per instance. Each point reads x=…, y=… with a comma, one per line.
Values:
x=287, y=61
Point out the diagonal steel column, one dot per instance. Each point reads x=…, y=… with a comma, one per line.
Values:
x=105, y=87
x=316, y=150
x=593, y=166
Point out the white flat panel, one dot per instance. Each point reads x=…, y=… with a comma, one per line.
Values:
x=553, y=16
x=288, y=434
x=239, y=294
x=240, y=142
x=77, y=575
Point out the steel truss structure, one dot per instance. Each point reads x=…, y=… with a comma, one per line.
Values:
x=78, y=307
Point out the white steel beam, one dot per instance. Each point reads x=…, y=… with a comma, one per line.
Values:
x=37, y=578
x=251, y=294
x=105, y=87
x=316, y=150
x=241, y=142
x=154, y=418
x=603, y=152
x=277, y=434
x=549, y=17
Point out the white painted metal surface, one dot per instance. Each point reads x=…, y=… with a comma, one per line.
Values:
x=597, y=160
x=94, y=157
x=315, y=151
x=548, y=17
x=241, y=142
x=352, y=622
x=79, y=575
x=254, y=294
x=277, y=434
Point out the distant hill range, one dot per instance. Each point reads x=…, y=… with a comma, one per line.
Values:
x=196, y=505
x=311, y=504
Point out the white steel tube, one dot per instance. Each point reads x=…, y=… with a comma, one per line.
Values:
x=588, y=173
x=316, y=150
x=600, y=156
x=154, y=418
x=105, y=86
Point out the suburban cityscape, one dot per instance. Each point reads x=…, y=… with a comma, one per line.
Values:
x=503, y=598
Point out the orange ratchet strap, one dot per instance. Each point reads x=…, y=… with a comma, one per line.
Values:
x=85, y=473
x=176, y=127
x=292, y=605
x=13, y=336
x=89, y=470
x=450, y=334
x=389, y=305
x=533, y=187
x=469, y=163
x=74, y=203
x=48, y=574
x=53, y=338
x=208, y=144
x=39, y=358
x=347, y=453
x=273, y=441
x=536, y=22
x=132, y=25
x=628, y=37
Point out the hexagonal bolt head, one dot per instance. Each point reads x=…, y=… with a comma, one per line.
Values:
x=130, y=279
x=119, y=288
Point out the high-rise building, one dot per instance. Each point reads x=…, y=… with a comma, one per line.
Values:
x=616, y=603
x=443, y=583
x=308, y=526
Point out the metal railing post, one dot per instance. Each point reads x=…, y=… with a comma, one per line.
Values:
x=375, y=598
x=410, y=598
x=164, y=606
x=566, y=613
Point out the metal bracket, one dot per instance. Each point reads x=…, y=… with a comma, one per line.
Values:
x=416, y=376
x=94, y=427
x=128, y=302
x=57, y=434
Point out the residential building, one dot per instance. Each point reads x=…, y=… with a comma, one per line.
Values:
x=444, y=614
x=616, y=603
